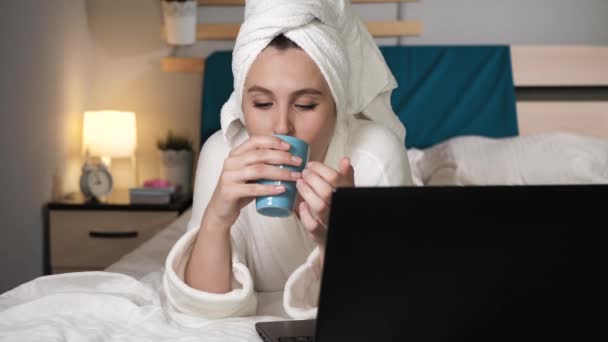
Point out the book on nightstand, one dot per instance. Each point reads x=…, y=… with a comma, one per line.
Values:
x=151, y=195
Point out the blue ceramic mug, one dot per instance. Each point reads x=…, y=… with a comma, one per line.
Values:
x=281, y=205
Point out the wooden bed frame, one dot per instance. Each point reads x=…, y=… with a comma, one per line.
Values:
x=578, y=69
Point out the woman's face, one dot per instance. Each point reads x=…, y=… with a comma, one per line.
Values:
x=285, y=93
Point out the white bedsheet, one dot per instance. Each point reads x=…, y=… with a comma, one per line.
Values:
x=123, y=303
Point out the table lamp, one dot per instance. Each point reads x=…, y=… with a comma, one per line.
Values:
x=107, y=135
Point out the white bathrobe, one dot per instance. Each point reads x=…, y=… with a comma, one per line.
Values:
x=272, y=255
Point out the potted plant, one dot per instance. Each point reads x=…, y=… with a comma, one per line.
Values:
x=180, y=21
x=176, y=161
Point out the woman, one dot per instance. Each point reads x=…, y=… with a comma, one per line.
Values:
x=309, y=70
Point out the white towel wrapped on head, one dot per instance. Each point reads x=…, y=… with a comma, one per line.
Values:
x=337, y=41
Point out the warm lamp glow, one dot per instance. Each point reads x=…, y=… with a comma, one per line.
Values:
x=109, y=133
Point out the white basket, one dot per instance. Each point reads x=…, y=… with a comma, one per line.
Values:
x=176, y=167
x=180, y=21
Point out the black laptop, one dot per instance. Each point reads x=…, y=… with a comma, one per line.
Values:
x=491, y=263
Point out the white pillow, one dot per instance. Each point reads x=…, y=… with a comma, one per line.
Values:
x=549, y=158
x=415, y=156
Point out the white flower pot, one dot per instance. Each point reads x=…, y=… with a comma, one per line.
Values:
x=180, y=22
x=176, y=167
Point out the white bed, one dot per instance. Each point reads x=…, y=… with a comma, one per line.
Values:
x=125, y=303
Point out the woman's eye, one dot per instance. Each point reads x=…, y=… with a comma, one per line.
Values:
x=307, y=107
x=264, y=105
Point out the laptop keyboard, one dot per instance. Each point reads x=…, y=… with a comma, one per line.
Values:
x=297, y=339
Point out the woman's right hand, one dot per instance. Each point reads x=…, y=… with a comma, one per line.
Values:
x=253, y=160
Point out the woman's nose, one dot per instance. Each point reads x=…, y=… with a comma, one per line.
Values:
x=283, y=124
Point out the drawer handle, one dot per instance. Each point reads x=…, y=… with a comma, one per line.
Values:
x=113, y=235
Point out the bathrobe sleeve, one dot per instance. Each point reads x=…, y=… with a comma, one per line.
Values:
x=378, y=160
x=241, y=300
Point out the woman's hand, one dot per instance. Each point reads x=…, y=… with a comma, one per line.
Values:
x=246, y=164
x=316, y=187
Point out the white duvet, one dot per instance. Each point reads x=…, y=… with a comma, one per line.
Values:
x=113, y=306
x=105, y=306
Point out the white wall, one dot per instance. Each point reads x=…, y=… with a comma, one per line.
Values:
x=128, y=48
x=510, y=22
x=43, y=77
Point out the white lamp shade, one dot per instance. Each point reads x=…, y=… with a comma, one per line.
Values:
x=109, y=133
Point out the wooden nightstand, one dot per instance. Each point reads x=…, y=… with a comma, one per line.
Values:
x=81, y=236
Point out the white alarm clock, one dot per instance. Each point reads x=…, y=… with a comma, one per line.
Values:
x=95, y=181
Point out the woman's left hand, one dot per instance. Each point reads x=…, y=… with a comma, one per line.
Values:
x=316, y=186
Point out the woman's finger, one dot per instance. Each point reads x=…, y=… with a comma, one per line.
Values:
x=344, y=177
x=346, y=169
x=238, y=191
x=260, y=172
x=316, y=204
x=312, y=224
x=330, y=175
x=261, y=156
x=260, y=141
x=296, y=204
x=319, y=185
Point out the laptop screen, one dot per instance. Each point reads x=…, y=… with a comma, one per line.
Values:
x=434, y=263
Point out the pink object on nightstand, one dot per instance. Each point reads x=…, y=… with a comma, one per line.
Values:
x=157, y=183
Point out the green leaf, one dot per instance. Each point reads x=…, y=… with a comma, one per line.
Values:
x=174, y=142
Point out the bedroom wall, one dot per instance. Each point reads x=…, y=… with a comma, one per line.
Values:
x=128, y=47
x=43, y=77
x=510, y=22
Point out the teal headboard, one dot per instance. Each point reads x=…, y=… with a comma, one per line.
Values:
x=444, y=91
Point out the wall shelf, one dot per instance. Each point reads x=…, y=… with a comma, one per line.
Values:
x=229, y=31
x=183, y=64
x=409, y=28
x=242, y=2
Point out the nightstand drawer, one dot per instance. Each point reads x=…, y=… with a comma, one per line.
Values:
x=94, y=239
